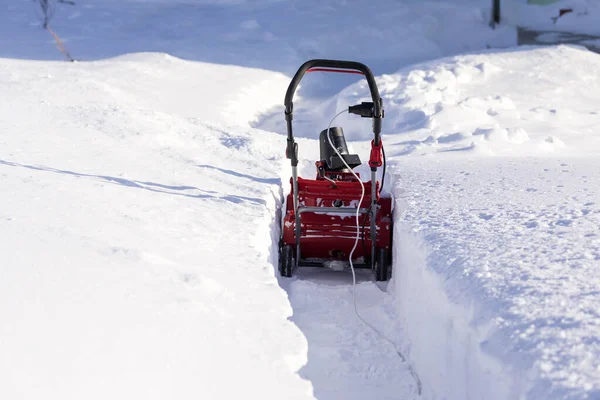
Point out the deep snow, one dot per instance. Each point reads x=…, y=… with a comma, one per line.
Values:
x=138, y=221
x=583, y=19
x=140, y=243
x=513, y=245
x=277, y=35
x=494, y=159
x=118, y=278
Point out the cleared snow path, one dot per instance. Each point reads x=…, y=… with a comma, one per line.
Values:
x=346, y=359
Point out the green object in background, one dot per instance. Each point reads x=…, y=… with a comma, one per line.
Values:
x=541, y=2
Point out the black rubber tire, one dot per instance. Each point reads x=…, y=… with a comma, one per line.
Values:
x=382, y=263
x=286, y=261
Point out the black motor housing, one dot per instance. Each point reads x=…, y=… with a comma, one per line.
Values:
x=332, y=160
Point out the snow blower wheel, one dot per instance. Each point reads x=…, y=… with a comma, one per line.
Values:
x=382, y=265
x=286, y=261
x=319, y=224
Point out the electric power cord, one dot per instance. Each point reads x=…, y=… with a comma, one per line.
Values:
x=358, y=225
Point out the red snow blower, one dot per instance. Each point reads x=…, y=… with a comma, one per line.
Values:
x=325, y=219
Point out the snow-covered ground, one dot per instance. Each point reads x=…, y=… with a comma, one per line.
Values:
x=139, y=245
x=277, y=35
x=118, y=278
x=583, y=18
x=502, y=298
x=140, y=208
x=494, y=159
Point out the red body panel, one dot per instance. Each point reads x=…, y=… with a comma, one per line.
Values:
x=331, y=236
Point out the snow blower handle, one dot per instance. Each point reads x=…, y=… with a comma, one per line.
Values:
x=350, y=67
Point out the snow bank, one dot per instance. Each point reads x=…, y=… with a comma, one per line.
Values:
x=500, y=296
x=253, y=33
x=497, y=242
x=496, y=222
x=135, y=237
x=582, y=20
x=222, y=94
x=445, y=346
x=139, y=246
x=118, y=273
x=522, y=101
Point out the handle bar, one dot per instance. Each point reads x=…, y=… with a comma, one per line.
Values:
x=326, y=65
x=350, y=66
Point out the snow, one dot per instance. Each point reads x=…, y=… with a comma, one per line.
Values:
x=142, y=194
x=504, y=208
x=345, y=358
x=140, y=246
x=492, y=157
x=253, y=33
x=582, y=20
x=118, y=279
x=513, y=245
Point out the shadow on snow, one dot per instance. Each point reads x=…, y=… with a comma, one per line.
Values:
x=176, y=190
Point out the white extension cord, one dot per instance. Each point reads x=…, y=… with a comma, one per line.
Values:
x=362, y=196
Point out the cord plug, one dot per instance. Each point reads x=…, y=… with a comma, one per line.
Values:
x=365, y=109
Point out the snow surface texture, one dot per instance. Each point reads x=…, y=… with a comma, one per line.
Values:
x=269, y=34
x=494, y=158
x=505, y=208
x=582, y=20
x=138, y=221
x=517, y=244
x=347, y=360
x=139, y=246
x=118, y=278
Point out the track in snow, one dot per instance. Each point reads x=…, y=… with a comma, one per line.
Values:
x=346, y=359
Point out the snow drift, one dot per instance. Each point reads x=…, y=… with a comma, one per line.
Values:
x=492, y=157
x=135, y=251
x=497, y=243
x=137, y=220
